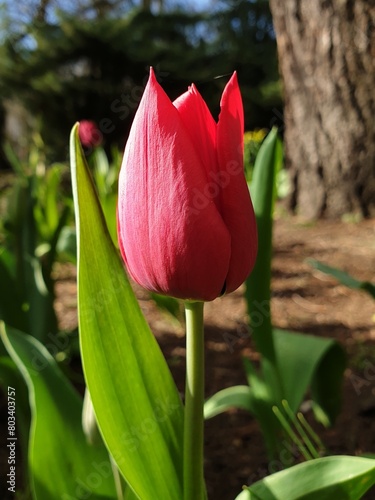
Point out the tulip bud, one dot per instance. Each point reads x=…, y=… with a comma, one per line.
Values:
x=89, y=134
x=186, y=225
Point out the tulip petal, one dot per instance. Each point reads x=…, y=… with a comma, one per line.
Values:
x=237, y=209
x=171, y=235
x=200, y=125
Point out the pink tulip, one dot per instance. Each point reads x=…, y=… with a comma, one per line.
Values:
x=186, y=225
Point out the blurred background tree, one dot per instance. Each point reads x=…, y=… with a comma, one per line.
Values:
x=64, y=60
x=68, y=60
x=327, y=61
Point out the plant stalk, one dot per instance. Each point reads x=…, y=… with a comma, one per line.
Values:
x=194, y=488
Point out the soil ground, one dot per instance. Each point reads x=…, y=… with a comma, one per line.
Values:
x=303, y=300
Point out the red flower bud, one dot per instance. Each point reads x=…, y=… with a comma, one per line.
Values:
x=186, y=225
x=89, y=134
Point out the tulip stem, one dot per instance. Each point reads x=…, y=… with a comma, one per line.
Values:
x=194, y=487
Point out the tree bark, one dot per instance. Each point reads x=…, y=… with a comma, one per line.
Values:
x=326, y=54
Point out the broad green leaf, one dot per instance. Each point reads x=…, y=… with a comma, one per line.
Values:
x=245, y=495
x=62, y=464
x=136, y=402
x=10, y=376
x=343, y=277
x=238, y=396
x=306, y=361
x=329, y=478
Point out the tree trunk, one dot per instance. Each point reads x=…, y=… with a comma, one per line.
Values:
x=326, y=54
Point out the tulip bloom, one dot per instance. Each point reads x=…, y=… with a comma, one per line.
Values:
x=186, y=225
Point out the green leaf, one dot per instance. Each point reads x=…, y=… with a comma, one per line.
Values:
x=13, y=159
x=258, y=288
x=46, y=210
x=343, y=277
x=238, y=396
x=53, y=180
x=62, y=464
x=263, y=398
x=105, y=176
x=10, y=376
x=257, y=398
x=109, y=207
x=36, y=282
x=258, y=284
x=337, y=477
x=66, y=247
x=304, y=361
x=11, y=296
x=136, y=402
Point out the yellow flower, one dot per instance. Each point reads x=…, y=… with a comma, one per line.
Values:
x=256, y=135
